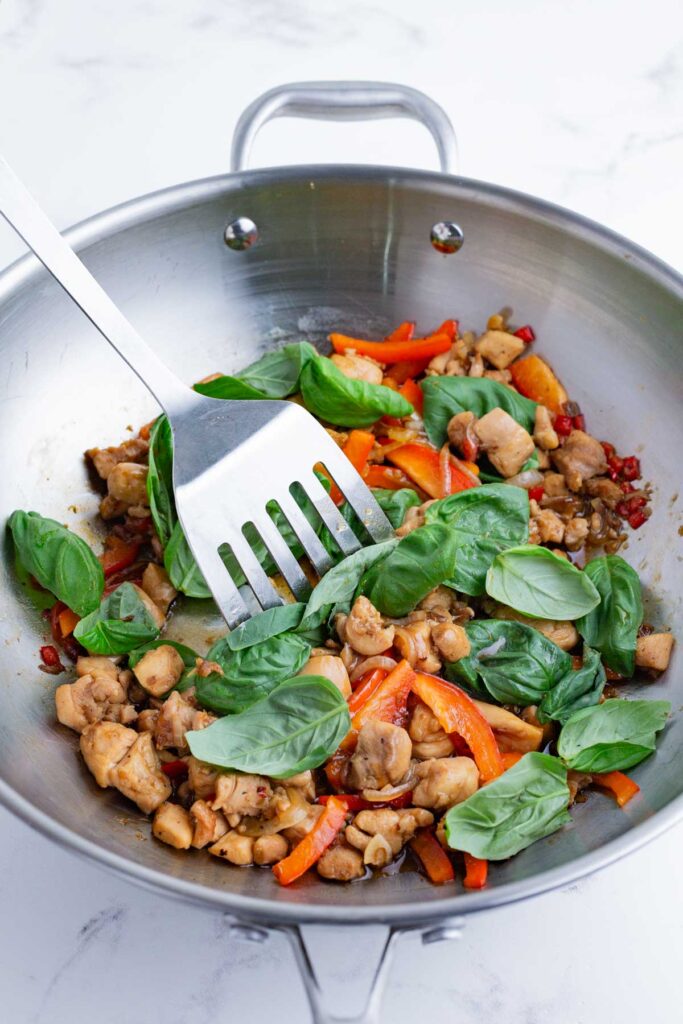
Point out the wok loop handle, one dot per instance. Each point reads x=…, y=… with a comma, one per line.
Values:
x=345, y=101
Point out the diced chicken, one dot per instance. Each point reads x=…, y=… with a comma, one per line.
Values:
x=476, y=366
x=202, y=778
x=159, y=670
x=89, y=663
x=654, y=651
x=242, y=794
x=577, y=781
x=303, y=781
x=127, y=482
x=139, y=776
x=235, y=848
x=103, y=744
x=414, y=517
x=153, y=609
x=172, y=825
x=507, y=444
x=156, y=583
x=442, y=598
x=530, y=714
x=341, y=863
x=394, y=828
x=499, y=348
x=176, y=717
x=502, y=376
x=550, y=526
x=451, y=641
x=110, y=508
x=554, y=485
x=95, y=697
x=270, y=849
x=358, y=367
x=607, y=490
x=580, y=458
x=544, y=432
x=461, y=428
x=575, y=533
x=147, y=720
x=429, y=739
x=105, y=459
x=332, y=668
x=295, y=833
x=414, y=643
x=364, y=630
x=381, y=758
x=445, y=781
x=562, y=633
x=512, y=734
x=207, y=825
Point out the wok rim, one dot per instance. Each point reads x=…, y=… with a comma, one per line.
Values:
x=164, y=201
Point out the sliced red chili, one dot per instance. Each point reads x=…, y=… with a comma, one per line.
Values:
x=579, y=422
x=631, y=468
x=563, y=425
x=526, y=333
x=636, y=520
x=536, y=493
x=49, y=655
x=175, y=769
x=608, y=449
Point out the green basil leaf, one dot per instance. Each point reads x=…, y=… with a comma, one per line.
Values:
x=446, y=396
x=612, y=627
x=534, y=581
x=181, y=567
x=339, y=584
x=186, y=653
x=486, y=520
x=613, y=736
x=251, y=672
x=394, y=504
x=60, y=561
x=422, y=560
x=578, y=688
x=296, y=727
x=274, y=375
x=528, y=802
x=160, y=479
x=120, y=624
x=337, y=399
x=39, y=597
x=265, y=625
x=515, y=663
x=229, y=387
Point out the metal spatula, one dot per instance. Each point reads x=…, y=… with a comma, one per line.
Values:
x=230, y=457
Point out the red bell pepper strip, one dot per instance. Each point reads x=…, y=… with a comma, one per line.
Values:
x=393, y=351
x=387, y=477
x=412, y=392
x=118, y=554
x=476, y=871
x=403, y=332
x=367, y=685
x=358, y=446
x=400, y=372
x=511, y=758
x=434, y=859
x=618, y=784
x=354, y=802
x=388, y=702
x=312, y=846
x=422, y=464
x=449, y=328
x=457, y=713
x=68, y=621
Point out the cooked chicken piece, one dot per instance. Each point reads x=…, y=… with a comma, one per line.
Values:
x=543, y=458
x=394, y=827
x=381, y=758
x=414, y=517
x=564, y=634
x=512, y=734
x=507, y=444
x=607, y=490
x=207, y=825
x=235, y=848
x=550, y=526
x=156, y=583
x=127, y=482
x=110, y=508
x=242, y=794
x=575, y=533
x=176, y=717
x=544, y=432
x=95, y=697
x=499, y=348
x=414, y=643
x=476, y=366
x=89, y=663
x=445, y=781
x=580, y=458
x=303, y=781
x=341, y=863
x=502, y=376
x=451, y=641
x=331, y=668
x=577, y=781
x=296, y=832
x=429, y=739
x=147, y=720
x=159, y=670
x=554, y=485
x=460, y=427
x=153, y=609
x=270, y=849
x=440, y=598
x=363, y=629
x=172, y=825
x=530, y=715
x=104, y=459
x=139, y=776
x=358, y=367
x=103, y=744
x=202, y=778
x=453, y=358
x=654, y=651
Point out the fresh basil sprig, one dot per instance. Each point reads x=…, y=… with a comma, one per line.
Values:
x=264, y=626
x=394, y=504
x=296, y=727
x=274, y=375
x=509, y=661
x=577, y=688
x=421, y=560
x=337, y=399
x=612, y=736
x=160, y=479
x=446, y=396
x=60, y=561
x=250, y=673
x=486, y=520
x=534, y=581
x=612, y=627
x=120, y=624
x=338, y=586
x=526, y=803
x=181, y=567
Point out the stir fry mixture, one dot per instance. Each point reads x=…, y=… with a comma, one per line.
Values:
x=443, y=697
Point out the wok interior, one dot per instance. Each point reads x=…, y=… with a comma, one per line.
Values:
x=346, y=251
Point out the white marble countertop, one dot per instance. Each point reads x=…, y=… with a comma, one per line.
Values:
x=579, y=103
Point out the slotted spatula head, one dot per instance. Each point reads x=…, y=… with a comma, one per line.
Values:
x=231, y=458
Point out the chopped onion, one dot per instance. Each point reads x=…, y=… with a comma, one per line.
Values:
x=387, y=793
x=370, y=664
x=297, y=810
x=529, y=478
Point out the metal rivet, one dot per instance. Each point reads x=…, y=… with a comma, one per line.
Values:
x=241, y=234
x=447, y=237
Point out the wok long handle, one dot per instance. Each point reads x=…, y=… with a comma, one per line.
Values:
x=22, y=212
x=345, y=101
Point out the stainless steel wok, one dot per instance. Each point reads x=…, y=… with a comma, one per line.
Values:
x=350, y=248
